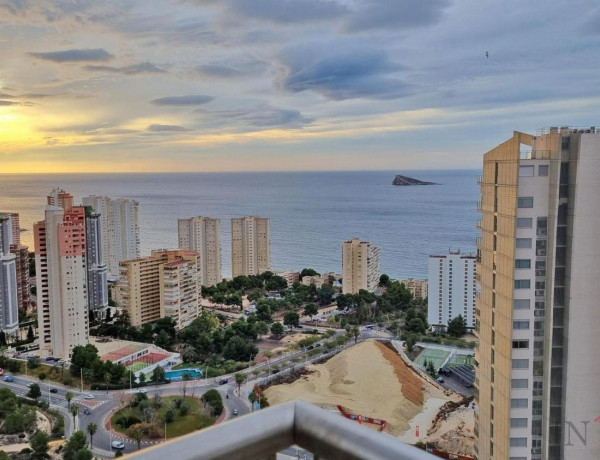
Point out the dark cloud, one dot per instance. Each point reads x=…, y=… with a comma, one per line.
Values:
x=198, y=99
x=5, y=103
x=395, y=14
x=236, y=68
x=289, y=11
x=97, y=54
x=156, y=128
x=262, y=116
x=341, y=71
x=143, y=67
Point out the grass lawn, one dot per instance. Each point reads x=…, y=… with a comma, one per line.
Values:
x=53, y=374
x=181, y=425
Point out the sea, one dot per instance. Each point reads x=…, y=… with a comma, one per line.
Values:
x=311, y=212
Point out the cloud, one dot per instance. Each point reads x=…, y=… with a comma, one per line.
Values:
x=197, y=99
x=289, y=11
x=75, y=55
x=259, y=117
x=341, y=71
x=135, y=69
x=156, y=128
x=232, y=67
x=6, y=103
x=395, y=14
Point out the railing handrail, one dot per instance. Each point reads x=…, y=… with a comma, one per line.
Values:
x=261, y=434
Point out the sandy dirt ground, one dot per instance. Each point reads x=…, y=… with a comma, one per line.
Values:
x=368, y=379
x=455, y=433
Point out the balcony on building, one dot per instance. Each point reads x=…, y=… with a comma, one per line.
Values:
x=261, y=434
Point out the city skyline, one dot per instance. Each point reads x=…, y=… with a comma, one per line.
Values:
x=282, y=85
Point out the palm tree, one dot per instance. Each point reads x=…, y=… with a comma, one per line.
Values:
x=91, y=429
x=239, y=379
x=68, y=397
x=74, y=411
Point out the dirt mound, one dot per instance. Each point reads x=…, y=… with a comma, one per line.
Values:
x=453, y=430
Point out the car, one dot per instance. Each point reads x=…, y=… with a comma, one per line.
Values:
x=142, y=390
x=440, y=380
x=89, y=396
x=53, y=390
x=9, y=378
x=275, y=371
x=223, y=381
x=117, y=444
x=86, y=411
x=50, y=358
x=235, y=412
x=310, y=347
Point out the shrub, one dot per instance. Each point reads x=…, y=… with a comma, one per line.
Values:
x=214, y=400
x=184, y=409
x=169, y=415
x=128, y=420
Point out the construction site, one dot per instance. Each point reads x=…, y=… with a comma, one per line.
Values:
x=373, y=385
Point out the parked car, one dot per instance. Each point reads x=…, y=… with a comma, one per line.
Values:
x=235, y=412
x=440, y=380
x=9, y=378
x=223, y=381
x=89, y=396
x=53, y=390
x=142, y=390
x=50, y=358
x=117, y=444
x=310, y=347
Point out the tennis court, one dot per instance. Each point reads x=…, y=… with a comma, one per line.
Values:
x=135, y=367
x=461, y=360
x=437, y=356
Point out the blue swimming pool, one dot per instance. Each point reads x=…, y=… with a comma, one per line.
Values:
x=177, y=375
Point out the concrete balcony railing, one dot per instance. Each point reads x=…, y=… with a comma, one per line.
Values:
x=262, y=434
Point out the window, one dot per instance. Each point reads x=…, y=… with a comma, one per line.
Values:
x=522, y=284
x=521, y=304
x=522, y=263
x=518, y=442
x=524, y=243
x=526, y=171
x=518, y=423
x=524, y=222
x=519, y=403
x=520, y=363
x=519, y=383
x=520, y=344
x=525, y=202
x=543, y=170
x=521, y=324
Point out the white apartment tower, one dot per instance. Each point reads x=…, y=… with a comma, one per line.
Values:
x=451, y=289
x=250, y=246
x=9, y=301
x=538, y=315
x=360, y=266
x=97, y=272
x=202, y=235
x=120, y=230
x=61, y=279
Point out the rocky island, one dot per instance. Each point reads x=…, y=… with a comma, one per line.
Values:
x=405, y=180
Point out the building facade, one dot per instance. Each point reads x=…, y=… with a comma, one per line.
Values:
x=120, y=230
x=61, y=279
x=418, y=288
x=360, y=266
x=537, y=313
x=97, y=271
x=9, y=310
x=141, y=290
x=180, y=289
x=250, y=246
x=202, y=235
x=452, y=289
x=289, y=276
x=21, y=253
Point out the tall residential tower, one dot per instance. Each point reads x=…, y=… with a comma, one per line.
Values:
x=360, y=266
x=250, y=246
x=201, y=234
x=9, y=310
x=537, y=313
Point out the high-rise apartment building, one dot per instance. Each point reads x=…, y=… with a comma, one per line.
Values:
x=451, y=286
x=21, y=253
x=9, y=313
x=360, y=266
x=418, y=288
x=141, y=288
x=250, y=246
x=120, y=230
x=97, y=272
x=537, y=313
x=61, y=275
x=202, y=235
x=180, y=289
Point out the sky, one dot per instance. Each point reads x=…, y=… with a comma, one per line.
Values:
x=270, y=85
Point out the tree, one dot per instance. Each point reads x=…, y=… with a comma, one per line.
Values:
x=74, y=411
x=277, y=329
x=76, y=443
x=291, y=319
x=416, y=325
x=142, y=378
x=325, y=294
x=42, y=376
x=158, y=375
x=91, y=429
x=213, y=399
x=263, y=311
x=239, y=377
x=262, y=328
x=30, y=334
x=310, y=309
x=68, y=397
x=3, y=342
x=34, y=391
x=355, y=331
x=39, y=444
x=410, y=343
x=308, y=272
x=163, y=340
x=456, y=327
x=137, y=434
x=384, y=280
